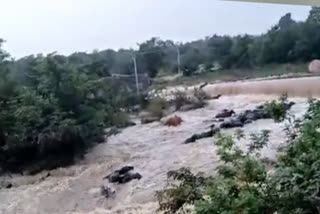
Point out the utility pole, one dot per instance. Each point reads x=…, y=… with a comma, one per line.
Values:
x=136, y=72
x=178, y=59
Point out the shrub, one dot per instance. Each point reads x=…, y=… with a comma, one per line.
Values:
x=182, y=188
x=156, y=107
x=243, y=184
x=200, y=94
x=180, y=98
x=238, y=186
x=277, y=109
x=197, y=100
x=120, y=120
x=51, y=116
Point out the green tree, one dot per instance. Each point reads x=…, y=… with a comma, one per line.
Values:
x=152, y=55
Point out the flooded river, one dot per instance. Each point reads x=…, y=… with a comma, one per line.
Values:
x=153, y=149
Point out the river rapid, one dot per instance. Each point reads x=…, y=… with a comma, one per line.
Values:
x=153, y=149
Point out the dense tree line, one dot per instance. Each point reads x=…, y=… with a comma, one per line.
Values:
x=287, y=41
x=53, y=110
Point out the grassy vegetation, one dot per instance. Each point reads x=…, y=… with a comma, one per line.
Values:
x=51, y=113
x=156, y=107
x=278, y=108
x=244, y=184
x=291, y=70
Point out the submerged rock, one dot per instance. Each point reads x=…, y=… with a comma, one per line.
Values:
x=249, y=116
x=8, y=186
x=203, y=85
x=123, y=175
x=225, y=113
x=232, y=123
x=206, y=134
x=129, y=177
x=173, y=121
x=216, y=97
x=125, y=169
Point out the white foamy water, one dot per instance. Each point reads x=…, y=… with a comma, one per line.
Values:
x=153, y=149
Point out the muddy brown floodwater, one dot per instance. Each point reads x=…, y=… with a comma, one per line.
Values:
x=153, y=149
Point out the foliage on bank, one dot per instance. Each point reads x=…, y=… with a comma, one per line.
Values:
x=51, y=112
x=245, y=183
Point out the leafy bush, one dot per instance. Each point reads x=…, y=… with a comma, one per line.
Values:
x=240, y=183
x=298, y=168
x=243, y=183
x=54, y=113
x=200, y=95
x=120, y=119
x=180, y=98
x=278, y=108
x=182, y=188
x=156, y=107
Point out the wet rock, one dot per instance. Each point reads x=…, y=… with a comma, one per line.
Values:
x=254, y=115
x=129, y=177
x=113, y=177
x=203, y=85
x=130, y=123
x=218, y=120
x=225, y=113
x=248, y=116
x=125, y=169
x=8, y=186
x=173, y=121
x=260, y=107
x=196, y=137
x=232, y=123
x=123, y=175
x=289, y=105
x=248, y=121
x=5, y=184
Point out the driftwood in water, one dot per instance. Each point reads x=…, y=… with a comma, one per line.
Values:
x=203, y=85
x=216, y=97
x=207, y=134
